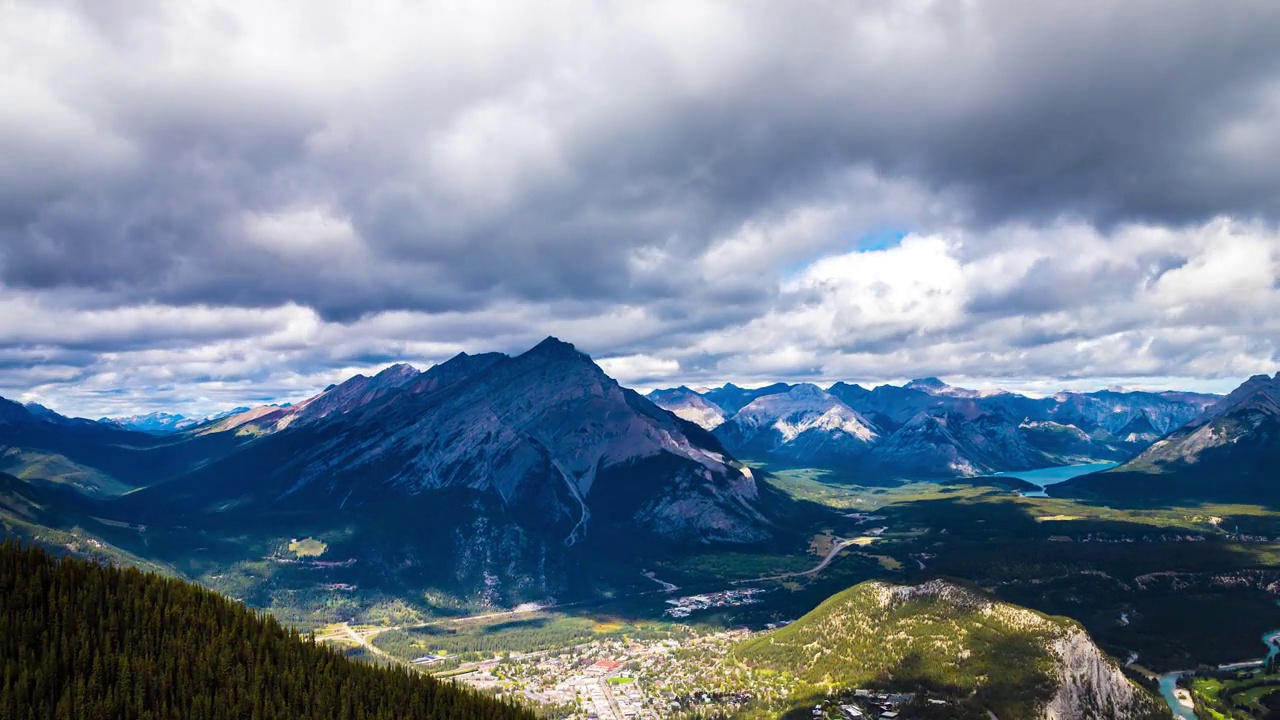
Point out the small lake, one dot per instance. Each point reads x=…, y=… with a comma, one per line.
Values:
x=1045, y=477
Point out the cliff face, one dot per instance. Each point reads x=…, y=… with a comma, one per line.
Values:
x=1091, y=684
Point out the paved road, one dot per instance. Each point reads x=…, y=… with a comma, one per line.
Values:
x=835, y=550
x=608, y=696
x=365, y=637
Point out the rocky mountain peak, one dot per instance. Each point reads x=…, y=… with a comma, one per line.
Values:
x=807, y=391
x=927, y=384
x=553, y=347
x=1260, y=392
x=396, y=373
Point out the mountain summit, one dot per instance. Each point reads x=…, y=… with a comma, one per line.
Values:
x=509, y=457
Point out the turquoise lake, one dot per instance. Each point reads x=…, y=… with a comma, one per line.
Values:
x=1045, y=477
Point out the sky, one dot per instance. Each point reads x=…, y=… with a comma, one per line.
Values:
x=206, y=204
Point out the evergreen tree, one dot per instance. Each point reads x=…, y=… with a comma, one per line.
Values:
x=79, y=641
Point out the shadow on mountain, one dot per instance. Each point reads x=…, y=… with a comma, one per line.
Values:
x=1175, y=596
x=1003, y=690
x=1174, y=487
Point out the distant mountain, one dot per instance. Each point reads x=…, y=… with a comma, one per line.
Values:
x=951, y=444
x=157, y=423
x=979, y=654
x=934, y=386
x=689, y=405
x=1139, y=430
x=848, y=393
x=164, y=423
x=1229, y=454
x=931, y=428
x=803, y=423
x=732, y=398
x=1112, y=411
x=96, y=458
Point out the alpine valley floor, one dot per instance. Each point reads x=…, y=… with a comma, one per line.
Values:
x=1159, y=588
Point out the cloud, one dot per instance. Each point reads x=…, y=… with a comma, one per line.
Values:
x=670, y=180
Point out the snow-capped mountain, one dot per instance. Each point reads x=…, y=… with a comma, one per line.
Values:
x=971, y=432
x=803, y=422
x=163, y=423
x=689, y=405
x=934, y=386
x=156, y=423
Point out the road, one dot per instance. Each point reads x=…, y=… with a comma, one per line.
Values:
x=365, y=637
x=835, y=550
x=608, y=696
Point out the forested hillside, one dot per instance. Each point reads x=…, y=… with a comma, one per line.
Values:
x=954, y=642
x=84, y=641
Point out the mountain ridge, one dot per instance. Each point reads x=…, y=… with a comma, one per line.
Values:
x=1236, y=441
x=988, y=431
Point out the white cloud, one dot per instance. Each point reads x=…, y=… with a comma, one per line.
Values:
x=638, y=368
x=214, y=201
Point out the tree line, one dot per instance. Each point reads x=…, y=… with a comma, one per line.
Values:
x=81, y=641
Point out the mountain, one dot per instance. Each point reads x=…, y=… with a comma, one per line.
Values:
x=956, y=643
x=1069, y=445
x=848, y=393
x=547, y=434
x=951, y=444
x=732, y=398
x=157, y=422
x=931, y=428
x=1112, y=411
x=355, y=392
x=97, y=458
x=803, y=423
x=689, y=405
x=489, y=477
x=82, y=640
x=1139, y=431
x=486, y=476
x=934, y=386
x=1229, y=454
x=893, y=406
x=162, y=423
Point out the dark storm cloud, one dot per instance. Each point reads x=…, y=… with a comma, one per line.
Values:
x=538, y=174
x=648, y=176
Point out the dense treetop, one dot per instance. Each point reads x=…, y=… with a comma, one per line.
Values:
x=84, y=641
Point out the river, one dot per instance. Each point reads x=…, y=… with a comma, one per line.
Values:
x=1169, y=681
x=1045, y=477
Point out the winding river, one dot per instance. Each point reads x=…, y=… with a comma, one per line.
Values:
x=1169, y=681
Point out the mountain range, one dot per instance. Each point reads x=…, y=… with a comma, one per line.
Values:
x=504, y=478
x=928, y=428
x=1228, y=454
x=484, y=474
